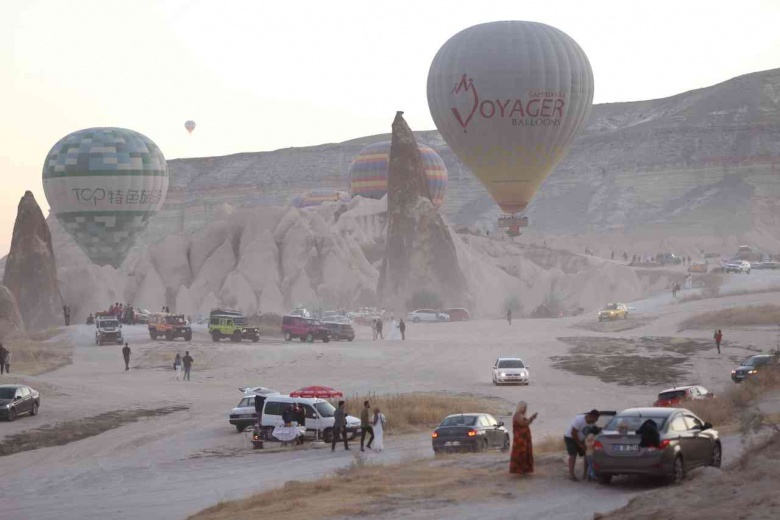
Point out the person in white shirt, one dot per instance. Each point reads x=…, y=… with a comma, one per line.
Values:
x=575, y=440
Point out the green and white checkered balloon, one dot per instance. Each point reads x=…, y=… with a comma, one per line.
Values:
x=104, y=184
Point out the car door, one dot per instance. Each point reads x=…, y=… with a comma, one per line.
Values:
x=701, y=442
x=27, y=399
x=489, y=432
x=497, y=440
x=679, y=431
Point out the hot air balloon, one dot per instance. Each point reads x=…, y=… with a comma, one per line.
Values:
x=509, y=98
x=190, y=126
x=368, y=172
x=317, y=196
x=103, y=185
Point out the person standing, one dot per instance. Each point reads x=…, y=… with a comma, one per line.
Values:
x=379, y=326
x=187, y=362
x=66, y=314
x=7, y=361
x=126, y=355
x=3, y=353
x=365, y=426
x=340, y=426
x=402, y=328
x=177, y=365
x=373, y=327
x=509, y=316
x=574, y=438
x=521, y=462
x=379, y=430
x=718, y=337
x=259, y=403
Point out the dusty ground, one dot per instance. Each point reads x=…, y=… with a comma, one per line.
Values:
x=175, y=465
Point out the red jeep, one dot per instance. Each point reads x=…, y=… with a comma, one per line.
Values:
x=306, y=329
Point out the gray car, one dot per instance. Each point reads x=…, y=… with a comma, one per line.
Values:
x=685, y=443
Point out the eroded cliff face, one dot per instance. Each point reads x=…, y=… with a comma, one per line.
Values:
x=31, y=270
x=11, y=324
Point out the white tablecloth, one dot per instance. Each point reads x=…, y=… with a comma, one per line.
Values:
x=288, y=433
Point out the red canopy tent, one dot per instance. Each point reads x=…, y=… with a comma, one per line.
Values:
x=319, y=392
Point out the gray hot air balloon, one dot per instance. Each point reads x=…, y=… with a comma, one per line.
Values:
x=103, y=185
x=509, y=98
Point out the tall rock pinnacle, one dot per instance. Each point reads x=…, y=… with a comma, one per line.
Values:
x=30, y=271
x=420, y=256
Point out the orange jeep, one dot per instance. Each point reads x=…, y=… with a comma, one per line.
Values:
x=169, y=326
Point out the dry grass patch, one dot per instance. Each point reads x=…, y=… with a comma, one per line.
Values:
x=767, y=314
x=421, y=411
x=549, y=444
x=32, y=357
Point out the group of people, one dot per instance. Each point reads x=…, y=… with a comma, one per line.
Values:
x=5, y=360
x=122, y=312
x=371, y=426
x=397, y=329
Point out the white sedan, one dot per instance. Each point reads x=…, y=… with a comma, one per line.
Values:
x=427, y=315
x=510, y=370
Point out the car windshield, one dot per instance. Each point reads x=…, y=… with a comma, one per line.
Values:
x=511, y=363
x=7, y=393
x=459, y=420
x=675, y=394
x=633, y=422
x=755, y=361
x=611, y=307
x=109, y=323
x=239, y=320
x=325, y=409
x=174, y=320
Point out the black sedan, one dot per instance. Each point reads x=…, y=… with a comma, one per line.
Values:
x=752, y=366
x=16, y=400
x=470, y=432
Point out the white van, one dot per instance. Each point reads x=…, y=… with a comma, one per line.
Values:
x=319, y=415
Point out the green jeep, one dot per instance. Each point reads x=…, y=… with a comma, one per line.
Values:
x=233, y=327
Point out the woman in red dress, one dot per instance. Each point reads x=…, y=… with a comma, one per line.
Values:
x=521, y=461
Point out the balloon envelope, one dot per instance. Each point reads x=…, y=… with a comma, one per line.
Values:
x=368, y=172
x=103, y=185
x=509, y=98
x=318, y=196
x=190, y=126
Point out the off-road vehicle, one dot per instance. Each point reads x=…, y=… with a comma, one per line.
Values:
x=109, y=330
x=227, y=324
x=169, y=326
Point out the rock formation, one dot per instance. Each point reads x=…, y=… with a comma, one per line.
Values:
x=420, y=255
x=11, y=324
x=31, y=271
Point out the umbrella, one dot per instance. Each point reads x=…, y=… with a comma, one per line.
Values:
x=319, y=392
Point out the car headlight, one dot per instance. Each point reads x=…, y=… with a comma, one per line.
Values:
x=733, y=371
x=502, y=374
x=753, y=372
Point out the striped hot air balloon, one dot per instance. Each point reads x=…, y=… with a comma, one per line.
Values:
x=368, y=172
x=317, y=196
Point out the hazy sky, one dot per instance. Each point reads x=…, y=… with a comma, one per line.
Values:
x=261, y=75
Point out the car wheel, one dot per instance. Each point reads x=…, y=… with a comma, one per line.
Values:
x=416, y=320
x=604, y=479
x=215, y=337
x=678, y=471
x=240, y=428
x=506, y=445
x=287, y=336
x=12, y=415
x=717, y=455
x=310, y=337
x=352, y=338
x=34, y=410
x=482, y=445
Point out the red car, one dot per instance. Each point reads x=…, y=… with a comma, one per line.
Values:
x=673, y=397
x=306, y=329
x=458, y=314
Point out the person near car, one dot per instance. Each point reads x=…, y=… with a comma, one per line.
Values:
x=378, y=427
x=187, y=362
x=402, y=328
x=259, y=403
x=574, y=438
x=509, y=316
x=521, y=461
x=379, y=326
x=718, y=337
x=6, y=362
x=3, y=353
x=650, y=437
x=287, y=416
x=126, y=356
x=177, y=365
x=590, y=441
x=299, y=414
x=340, y=426
x=365, y=426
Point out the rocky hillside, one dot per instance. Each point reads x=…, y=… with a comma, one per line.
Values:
x=702, y=162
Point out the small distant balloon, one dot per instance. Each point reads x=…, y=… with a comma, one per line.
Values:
x=190, y=126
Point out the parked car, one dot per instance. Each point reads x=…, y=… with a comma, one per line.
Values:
x=510, y=370
x=427, y=315
x=319, y=415
x=737, y=266
x=614, y=311
x=469, y=432
x=685, y=443
x=108, y=330
x=458, y=314
x=668, y=259
x=698, y=267
x=339, y=330
x=305, y=329
x=752, y=366
x=16, y=400
x=169, y=326
x=141, y=316
x=231, y=326
x=675, y=396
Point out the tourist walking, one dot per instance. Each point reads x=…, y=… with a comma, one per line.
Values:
x=187, y=362
x=3, y=353
x=574, y=438
x=66, y=313
x=718, y=337
x=126, y=355
x=509, y=316
x=379, y=326
x=340, y=426
x=521, y=461
x=402, y=328
x=7, y=361
x=379, y=430
x=365, y=426
x=373, y=327
x=177, y=365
